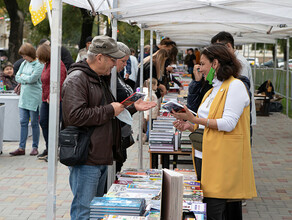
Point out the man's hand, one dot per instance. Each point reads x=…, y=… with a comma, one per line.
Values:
x=118, y=107
x=141, y=105
x=198, y=75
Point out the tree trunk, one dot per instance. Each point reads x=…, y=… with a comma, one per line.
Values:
x=16, y=29
x=87, y=25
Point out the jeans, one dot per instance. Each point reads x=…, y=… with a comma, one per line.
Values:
x=44, y=120
x=86, y=182
x=24, y=115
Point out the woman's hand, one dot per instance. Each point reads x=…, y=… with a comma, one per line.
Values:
x=187, y=115
x=198, y=75
x=141, y=105
x=183, y=125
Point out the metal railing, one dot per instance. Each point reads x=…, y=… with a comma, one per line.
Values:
x=279, y=78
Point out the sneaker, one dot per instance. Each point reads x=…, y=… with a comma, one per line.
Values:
x=43, y=155
x=17, y=152
x=34, y=152
x=243, y=203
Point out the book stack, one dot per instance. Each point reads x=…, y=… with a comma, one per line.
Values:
x=123, y=217
x=161, y=137
x=101, y=206
x=185, y=142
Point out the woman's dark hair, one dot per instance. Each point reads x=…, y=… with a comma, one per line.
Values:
x=44, y=53
x=229, y=65
x=173, y=54
x=27, y=49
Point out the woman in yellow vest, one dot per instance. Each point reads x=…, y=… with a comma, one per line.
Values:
x=227, y=170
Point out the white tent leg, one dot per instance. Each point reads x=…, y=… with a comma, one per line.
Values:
x=275, y=63
x=56, y=36
x=111, y=173
x=287, y=78
x=151, y=73
x=140, y=144
x=254, y=66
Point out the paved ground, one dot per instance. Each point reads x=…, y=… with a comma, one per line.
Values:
x=23, y=180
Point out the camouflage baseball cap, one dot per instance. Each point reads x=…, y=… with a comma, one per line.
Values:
x=105, y=45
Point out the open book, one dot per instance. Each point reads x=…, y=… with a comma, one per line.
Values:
x=176, y=107
x=133, y=98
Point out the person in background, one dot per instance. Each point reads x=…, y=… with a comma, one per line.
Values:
x=123, y=92
x=29, y=75
x=146, y=53
x=132, y=70
x=198, y=55
x=17, y=64
x=159, y=59
x=7, y=76
x=227, y=39
x=190, y=61
x=44, y=55
x=65, y=54
x=82, y=54
x=227, y=169
x=155, y=110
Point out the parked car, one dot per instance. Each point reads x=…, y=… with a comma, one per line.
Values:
x=282, y=64
x=270, y=63
x=253, y=61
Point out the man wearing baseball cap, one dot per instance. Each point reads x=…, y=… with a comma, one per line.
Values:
x=87, y=101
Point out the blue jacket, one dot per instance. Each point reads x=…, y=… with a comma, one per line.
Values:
x=29, y=75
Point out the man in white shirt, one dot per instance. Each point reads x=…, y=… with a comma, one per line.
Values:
x=227, y=39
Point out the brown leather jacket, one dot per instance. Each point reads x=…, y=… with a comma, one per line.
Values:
x=85, y=103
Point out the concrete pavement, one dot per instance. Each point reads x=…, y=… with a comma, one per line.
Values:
x=23, y=179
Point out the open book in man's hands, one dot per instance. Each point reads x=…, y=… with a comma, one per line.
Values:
x=133, y=98
x=175, y=106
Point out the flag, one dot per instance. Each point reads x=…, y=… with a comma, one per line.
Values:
x=38, y=10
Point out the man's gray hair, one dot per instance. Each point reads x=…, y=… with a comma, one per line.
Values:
x=124, y=48
x=90, y=55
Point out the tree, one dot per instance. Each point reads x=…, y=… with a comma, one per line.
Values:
x=16, y=29
x=86, y=27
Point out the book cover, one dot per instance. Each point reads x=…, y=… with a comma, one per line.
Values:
x=133, y=98
x=176, y=107
x=119, y=203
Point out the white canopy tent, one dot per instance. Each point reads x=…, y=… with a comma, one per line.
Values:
x=187, y=22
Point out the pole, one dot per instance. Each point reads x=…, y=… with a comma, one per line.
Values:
x=264, y=58
x=56, y=39
x=151, y=77
x=275, y=63
x=49, y=13
x=97, y=24
x=287, y=78
x=157, y=38
x=112, y=168
x=140, y=144
x=254, y=66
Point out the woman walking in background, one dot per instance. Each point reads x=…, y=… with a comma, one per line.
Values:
x=44, y=55
x=29, y=75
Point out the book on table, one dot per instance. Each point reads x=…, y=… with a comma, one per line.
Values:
x=133, y=98
x=172, y=195
x=175, y=106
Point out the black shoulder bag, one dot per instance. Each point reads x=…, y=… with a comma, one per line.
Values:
x=74, y=145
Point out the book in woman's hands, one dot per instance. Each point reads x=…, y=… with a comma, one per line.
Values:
x=133, y=98
x=175, y=106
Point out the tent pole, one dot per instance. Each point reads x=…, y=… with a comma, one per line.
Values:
x=151, y=77
x=287, y=77
x=275, y=63
x=254, y=66
x=56, y=39
x=157, y=38
x=112, y=168
x=140, y=144
x=264, y=58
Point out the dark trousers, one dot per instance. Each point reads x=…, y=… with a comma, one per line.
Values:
x=44, y=120
x=220, y=209
x=198, y=164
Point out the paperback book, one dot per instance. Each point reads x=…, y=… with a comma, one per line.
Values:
x=175, y=106
x=133, y=98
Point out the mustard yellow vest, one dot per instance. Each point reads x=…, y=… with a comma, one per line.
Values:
x=227, y=170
